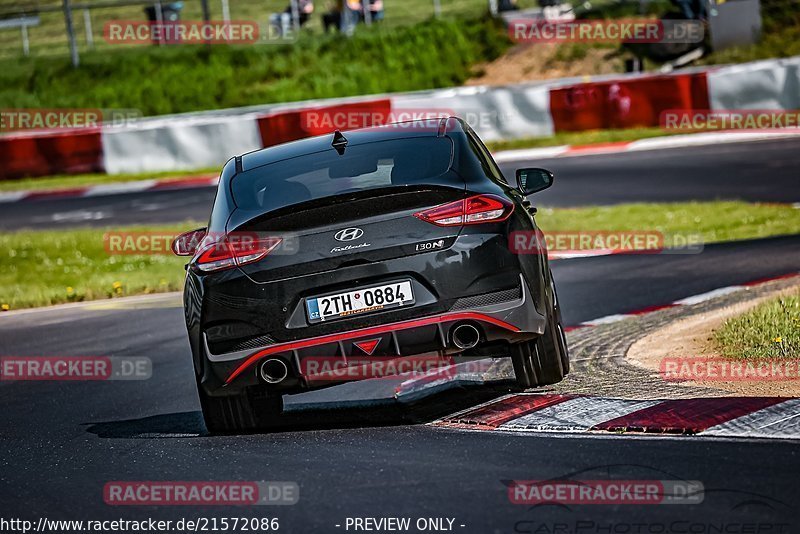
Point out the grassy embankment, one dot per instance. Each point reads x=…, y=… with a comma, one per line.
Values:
x=769, y=331
x=175, y=79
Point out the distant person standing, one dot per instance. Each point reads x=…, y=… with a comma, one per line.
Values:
x=375, y=10
x=351, y=13
x=346, y=14
x=333, y=17
x=282, y=22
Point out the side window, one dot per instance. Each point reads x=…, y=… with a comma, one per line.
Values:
x=487, y=162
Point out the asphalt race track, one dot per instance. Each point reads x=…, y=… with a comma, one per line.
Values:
x=361, y=462
x=762, y=171
x=60, y=442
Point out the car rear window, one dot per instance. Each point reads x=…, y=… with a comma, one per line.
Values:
x=412, y=161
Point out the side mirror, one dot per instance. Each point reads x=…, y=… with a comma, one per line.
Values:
x=533, y=180
x=186, y=244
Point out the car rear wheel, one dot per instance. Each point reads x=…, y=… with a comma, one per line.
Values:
x=541, y=362
x=562, y=337
x=240, y=413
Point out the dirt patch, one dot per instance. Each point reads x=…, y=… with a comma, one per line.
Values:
x=542, y=61
x=692, y=338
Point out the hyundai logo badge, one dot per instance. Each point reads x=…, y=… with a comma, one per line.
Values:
x=348, y=234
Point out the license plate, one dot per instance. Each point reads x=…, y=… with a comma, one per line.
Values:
x=359, y=301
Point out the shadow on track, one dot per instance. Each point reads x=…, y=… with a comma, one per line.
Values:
x=320, y=417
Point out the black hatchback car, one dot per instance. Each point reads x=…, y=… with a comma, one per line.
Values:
x=386, y=243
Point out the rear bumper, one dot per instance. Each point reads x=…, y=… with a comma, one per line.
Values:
x=238, y=313
x=499, y=323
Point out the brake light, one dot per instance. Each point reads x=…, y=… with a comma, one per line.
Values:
x=232, y=251
x=473, y=210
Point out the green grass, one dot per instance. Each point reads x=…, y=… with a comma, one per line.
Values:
x=51, y=267
x=587, y=137
x=158, y=80
x=83, y=180
x=715, y=221
x=769, y=331
x=177, y=79
x=49, y=37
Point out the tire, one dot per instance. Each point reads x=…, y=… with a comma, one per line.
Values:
x=545, y=360
x=241, y=413
x=562, y=337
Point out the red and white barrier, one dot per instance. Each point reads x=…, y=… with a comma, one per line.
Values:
x=508, y=156
x=174, y=145
x=202, y=140
x=771, y=84
x=627, y=103
x=72, y=151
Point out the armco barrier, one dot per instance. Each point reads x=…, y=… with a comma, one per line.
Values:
x=179, y=145
x=51, y=152
x=771, y=84
x=495, y=113
x=625, y=103
x=192, y=141
x=285, y=126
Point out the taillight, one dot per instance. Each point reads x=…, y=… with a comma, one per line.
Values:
x=473, y=210
x=233, y=251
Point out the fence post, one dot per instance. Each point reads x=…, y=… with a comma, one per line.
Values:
x=160, y=23
x=26, y=45
x=73, y=45
x=437, y=8
x=87, y=25
x=226, y=11
x=206, y=15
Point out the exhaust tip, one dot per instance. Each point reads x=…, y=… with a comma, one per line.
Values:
x=465, y=336
x=273, y=371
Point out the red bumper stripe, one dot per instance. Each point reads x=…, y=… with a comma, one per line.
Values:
x=688, y=416
x=375, y=330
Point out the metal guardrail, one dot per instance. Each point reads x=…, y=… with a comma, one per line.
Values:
x=23, y=23
x=19, y=22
